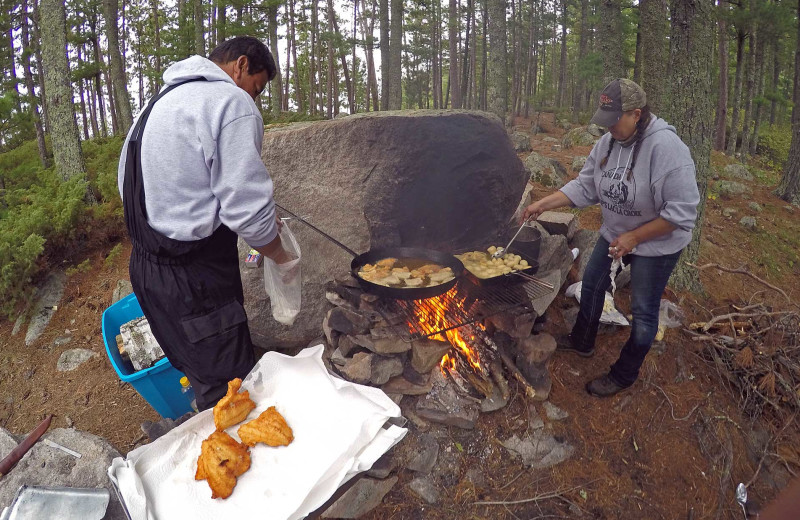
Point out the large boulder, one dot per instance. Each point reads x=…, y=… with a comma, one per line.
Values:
x=522, y=142
x=46, y=466
x=578, y=137
x=545, y=171
x=446, y=180
x=732, y=189
x=738, y=171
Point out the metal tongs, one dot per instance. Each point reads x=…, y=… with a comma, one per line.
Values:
x=501, y=251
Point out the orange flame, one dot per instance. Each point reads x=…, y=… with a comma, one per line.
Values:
x=432, y=316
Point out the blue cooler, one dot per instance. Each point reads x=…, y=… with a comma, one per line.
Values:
x=160, y=384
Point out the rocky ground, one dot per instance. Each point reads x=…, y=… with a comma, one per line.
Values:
x=673, y=446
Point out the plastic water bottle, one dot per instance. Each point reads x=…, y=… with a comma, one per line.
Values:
x=188, y=391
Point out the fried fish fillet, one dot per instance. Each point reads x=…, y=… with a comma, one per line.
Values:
x=234, y=407
x=221, y=461
x=270, y=428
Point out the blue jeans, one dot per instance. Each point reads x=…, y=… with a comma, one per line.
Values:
x=649, y=277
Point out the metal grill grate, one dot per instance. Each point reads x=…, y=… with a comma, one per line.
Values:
x=464, y=304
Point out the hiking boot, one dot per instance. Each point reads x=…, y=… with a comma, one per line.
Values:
x=565, y=344
x=604, y=386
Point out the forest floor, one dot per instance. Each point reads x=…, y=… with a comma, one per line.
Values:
x=674, y=446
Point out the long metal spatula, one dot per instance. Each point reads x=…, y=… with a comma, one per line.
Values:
x=501, y=251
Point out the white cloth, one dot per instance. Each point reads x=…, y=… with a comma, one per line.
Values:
x=338, y=432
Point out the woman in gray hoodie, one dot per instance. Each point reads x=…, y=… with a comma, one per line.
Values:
x=643, y=177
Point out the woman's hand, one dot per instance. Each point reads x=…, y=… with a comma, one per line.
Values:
x=533, y=211
x=624, y=244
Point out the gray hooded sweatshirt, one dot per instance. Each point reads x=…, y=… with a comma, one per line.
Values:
x=201, y=159
x=663, y=185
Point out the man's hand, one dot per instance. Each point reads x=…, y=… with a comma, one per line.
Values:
x=624, y=244
x=532, y=212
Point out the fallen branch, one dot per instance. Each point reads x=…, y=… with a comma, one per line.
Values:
x=717, y=319
x=537, y=498
x=740, y=271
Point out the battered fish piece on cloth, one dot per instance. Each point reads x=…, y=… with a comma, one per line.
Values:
x=270, y=428
x=221, y=460
x=234, y=407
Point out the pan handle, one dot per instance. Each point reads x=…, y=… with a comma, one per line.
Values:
x=307, y=223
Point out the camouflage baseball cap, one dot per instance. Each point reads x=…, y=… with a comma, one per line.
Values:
x=619, y=96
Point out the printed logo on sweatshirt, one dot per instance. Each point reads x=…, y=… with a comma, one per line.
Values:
x=618, y=193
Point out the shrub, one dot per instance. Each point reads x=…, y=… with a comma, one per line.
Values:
x=774, y=143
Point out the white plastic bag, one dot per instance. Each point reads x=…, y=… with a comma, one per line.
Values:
x=283, y=282
x=610, y=313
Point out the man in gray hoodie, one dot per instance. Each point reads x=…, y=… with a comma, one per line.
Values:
x=192, y=180
x=643, y=177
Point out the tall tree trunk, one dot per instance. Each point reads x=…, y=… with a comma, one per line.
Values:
x=465, y=62
x=93, y=109
x=396, y=52
x=157, y=35
x=789, y=187
x=471, y=102
x=354, y=108
x=529, y=65
x=120, y=80
x=111, y=110
x=722, y=96
x=222, y=23
x=497, y=71
x=286, y=84
x=351, y=95
x=452, y=38
x=748, y=94
x=655, y=51
x=301, y=105
x=275, y=86
x=776, y=76
x=98, y=85
x=583, y=49
x=36, y=34
x=562, y=70
x=29, y=86
x=12, y=69
x=737, y=94
x=63, y=127
x=82, y=97
x=386, y=56
x=369, y=30
x=485, y=57
x=434, y=53
x=312, y=62
x=610, y=40
x=759, y=90
x=637, y=59
x=689, y=109
x=199, y=37
x=332, y=97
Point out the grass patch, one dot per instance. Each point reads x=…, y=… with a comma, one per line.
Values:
x=83, y=267
x=112, y=256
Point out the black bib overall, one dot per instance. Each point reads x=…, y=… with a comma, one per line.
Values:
x=190, y=292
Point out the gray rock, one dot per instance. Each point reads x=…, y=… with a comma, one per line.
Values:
x=338, y=358
x=358, y=369
x=382, y=196
x=755, y=206
x=731, y=189
x=535, y=421
x=50, y=467
x=346, y=346
x=542, y=303
x=514, y=322
x=578, y=137
x=494, y=402
x=348, y=322
x=559, y=223
x=578, y=162
x=540, y=449
x=443, y=405
x=595, y=130
x=570, y=317
x=584, y=240
x=522, y=142
x=533, y=353
x=749, y=223
x=548, y=139
x=48, y=297
x=476, y=477
x=738, y=171
x=556, y=148
x=401, y=385
x=427, y=353
x=385, y=368
x=425, y=454
x=555, y=253
x=545, y=171
x=728, y=212
x=73, y=358
x=20, y=321
x=425, y=488
x=553, y=412
x=393, y=345
x=122, y=289
x=60, y=341
x=383, y=466
x=363, y=497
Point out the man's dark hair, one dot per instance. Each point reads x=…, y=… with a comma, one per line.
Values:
x=258, y=56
